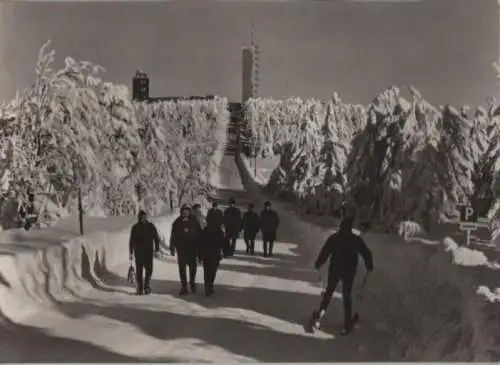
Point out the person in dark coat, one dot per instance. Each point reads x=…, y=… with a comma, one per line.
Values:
x=232, y=224
x=215, y=214
x=343, y=249
x=144, y=242
x=250, y=227
x=269, y=223
x=184, y=241
x=211, y=244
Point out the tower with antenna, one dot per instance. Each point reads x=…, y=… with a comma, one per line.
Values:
x=255, y=52
x=250, y=68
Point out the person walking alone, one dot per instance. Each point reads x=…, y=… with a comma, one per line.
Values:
x=343, y=249
x=269, y=223
x=184, y=241
x=250, y=227
x=144, y=242
x=211, y=248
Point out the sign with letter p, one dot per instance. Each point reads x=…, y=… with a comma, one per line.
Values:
x=468, y=214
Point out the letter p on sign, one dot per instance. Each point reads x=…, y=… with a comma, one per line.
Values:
x=467, y=214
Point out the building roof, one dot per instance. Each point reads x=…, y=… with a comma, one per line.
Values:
x=178, y=98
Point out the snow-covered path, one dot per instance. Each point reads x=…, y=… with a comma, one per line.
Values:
x=256, y=314
x=412, y=310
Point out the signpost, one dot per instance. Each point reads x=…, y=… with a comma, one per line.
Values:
x=469, y=221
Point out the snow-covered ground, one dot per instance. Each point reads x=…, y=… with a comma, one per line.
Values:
x=423, y=292
x=69, y=302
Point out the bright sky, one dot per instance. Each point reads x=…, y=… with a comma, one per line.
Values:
x=308, y=48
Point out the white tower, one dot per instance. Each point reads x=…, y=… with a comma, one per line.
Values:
x=255, y=69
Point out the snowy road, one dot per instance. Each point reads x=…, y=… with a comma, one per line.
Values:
x=413, y=309
x=256, y=314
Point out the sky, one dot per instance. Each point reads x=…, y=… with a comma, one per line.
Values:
x=445, y=48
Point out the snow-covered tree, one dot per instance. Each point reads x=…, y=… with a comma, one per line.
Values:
x=70, y=130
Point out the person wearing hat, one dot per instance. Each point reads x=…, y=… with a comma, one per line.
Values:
x=232, y=224
x=342, y=249
x=144, y=242
x=269, y=223
x=211, y=252
x=214, y=214
x=184, y=241
x=250, y=226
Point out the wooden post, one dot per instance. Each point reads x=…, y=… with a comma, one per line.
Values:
x=467, y=237
x=80, y=210
x=255, y=166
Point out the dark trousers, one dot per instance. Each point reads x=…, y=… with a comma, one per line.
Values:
x=249, y=242
x=210, y=267
x=347, y=284
x=143, y=265
x=268, y=241
x=232, y=237
x=185, y=262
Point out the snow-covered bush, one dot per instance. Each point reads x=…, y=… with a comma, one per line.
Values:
x=71, y=130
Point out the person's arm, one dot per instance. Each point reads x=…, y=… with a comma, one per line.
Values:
x=173, y=238
x=222, y=241
x=156, y=238
x=325, y=252
x=366, y=254
x=131, y=243
x=277, y=220
x=244, y=220
x=261, y=221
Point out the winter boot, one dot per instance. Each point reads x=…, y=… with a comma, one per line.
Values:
x=183, y=291
x=193, y=287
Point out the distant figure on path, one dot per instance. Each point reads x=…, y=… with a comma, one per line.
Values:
x=232, y=224
x=269, y=223
x=211, y=245
x=184, y=241
x=250, y=227
x=215, y=214
x=342, y=248
x=144, y=242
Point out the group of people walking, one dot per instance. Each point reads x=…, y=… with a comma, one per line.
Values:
x=199, y=240
x=196, y=240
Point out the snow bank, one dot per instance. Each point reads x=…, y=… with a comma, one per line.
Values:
x=427, y=306
x=38, y=268
x=221, y=136
x=467, y=257
x=259, y=179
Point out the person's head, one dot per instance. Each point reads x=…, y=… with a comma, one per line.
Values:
x=215, y=205
x=346, y=225
x=142, y=216
x=185, y=211
x=267, y=205
x=197, y=208
x=232, y=202
x=250, y=207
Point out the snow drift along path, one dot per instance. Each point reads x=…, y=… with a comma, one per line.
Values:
x=255, y=315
